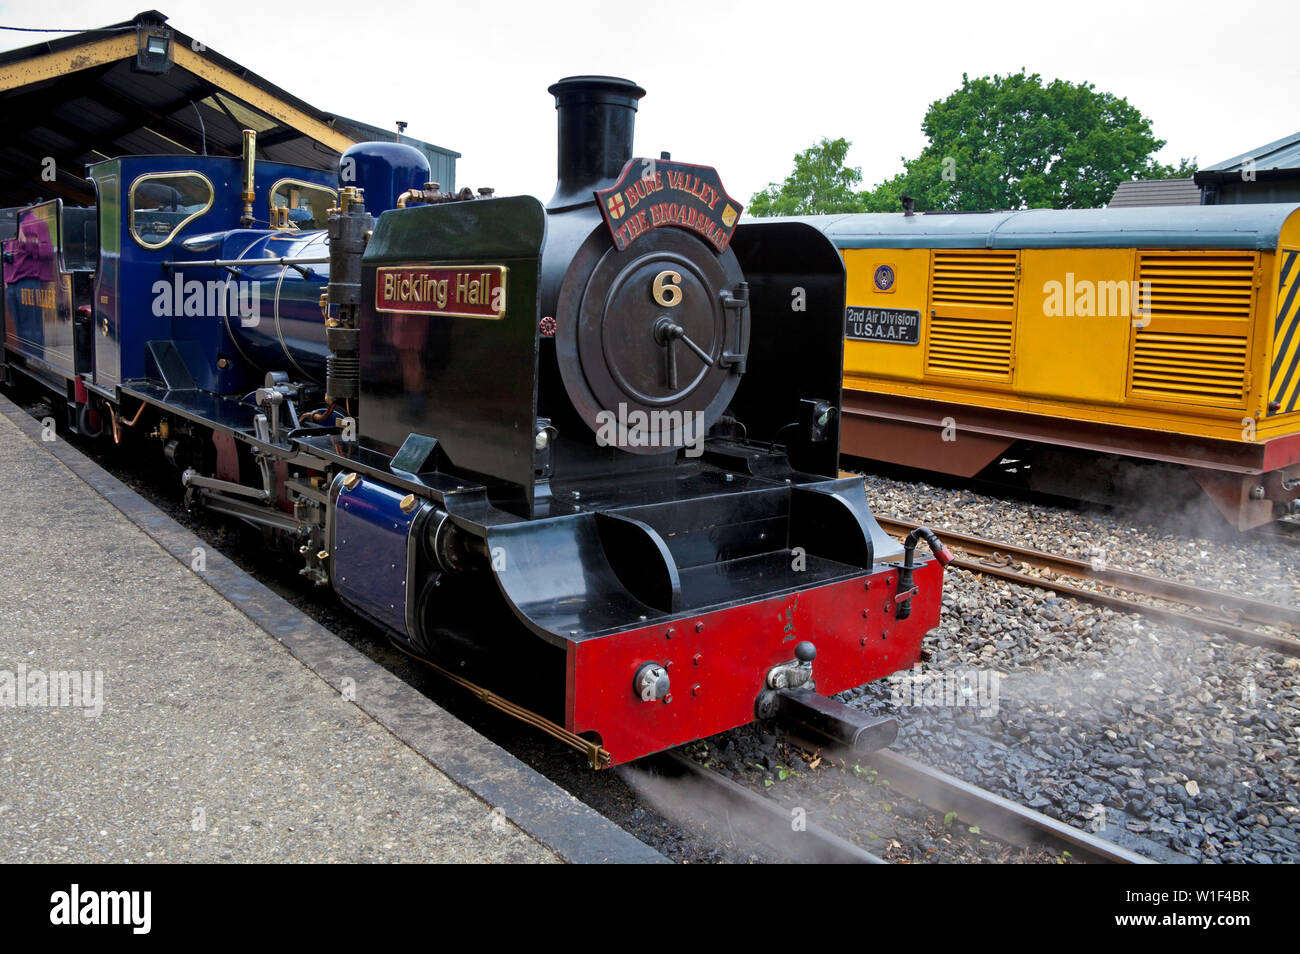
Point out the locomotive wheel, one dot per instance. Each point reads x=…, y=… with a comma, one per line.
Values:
x=427, y=610
x=85, y=417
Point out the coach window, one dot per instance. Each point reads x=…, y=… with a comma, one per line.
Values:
x=161, y=204
x=307, y=205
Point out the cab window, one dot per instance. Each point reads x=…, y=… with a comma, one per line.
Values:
x=300, y=205
x=164, y=203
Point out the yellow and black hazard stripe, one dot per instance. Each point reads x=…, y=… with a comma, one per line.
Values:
x=1284, y=381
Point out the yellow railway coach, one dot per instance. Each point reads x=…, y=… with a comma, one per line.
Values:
x=1094, y=353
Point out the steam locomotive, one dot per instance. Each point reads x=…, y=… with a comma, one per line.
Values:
x=582, y=456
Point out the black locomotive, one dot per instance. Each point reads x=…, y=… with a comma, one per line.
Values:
x=583, y=455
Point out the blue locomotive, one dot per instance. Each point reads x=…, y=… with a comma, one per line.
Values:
x=582, y=455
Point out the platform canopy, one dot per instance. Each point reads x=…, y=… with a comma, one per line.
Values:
x=144, y=88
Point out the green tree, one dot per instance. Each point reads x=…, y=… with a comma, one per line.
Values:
x=1011, y=142
x=1185, y=169
x=820, y=183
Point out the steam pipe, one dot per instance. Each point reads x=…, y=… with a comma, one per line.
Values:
x=249, y=194
x=418, y=195
x=941, y=552
x=905, y=588
x=283, y=261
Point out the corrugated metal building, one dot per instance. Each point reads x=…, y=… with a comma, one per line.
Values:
x=144, y=88
x=1270, y=173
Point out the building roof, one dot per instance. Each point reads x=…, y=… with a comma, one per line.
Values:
x=1281, y=154
x=1149, y=192
x=1279, y=159
x=83, y=98
x=1201, y=226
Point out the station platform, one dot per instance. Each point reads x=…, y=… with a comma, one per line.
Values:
x=153, y=712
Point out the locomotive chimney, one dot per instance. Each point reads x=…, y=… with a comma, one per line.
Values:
x=597, y=118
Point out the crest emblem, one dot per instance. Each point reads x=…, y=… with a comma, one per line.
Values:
x=654, y=193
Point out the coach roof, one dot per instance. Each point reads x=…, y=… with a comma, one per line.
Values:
x=1255, y=226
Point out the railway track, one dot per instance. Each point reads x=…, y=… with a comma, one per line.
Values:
x=998, y=816
x=1206, y=610
x=766, y=820
x=1286, y=532
x=752, y=817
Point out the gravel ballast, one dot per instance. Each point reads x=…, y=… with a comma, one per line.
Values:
x=1101, y=718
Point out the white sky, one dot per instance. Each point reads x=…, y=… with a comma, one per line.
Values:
x=742, y=86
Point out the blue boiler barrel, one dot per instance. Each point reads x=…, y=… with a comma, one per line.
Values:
x=280, y=326
x=286, y=331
